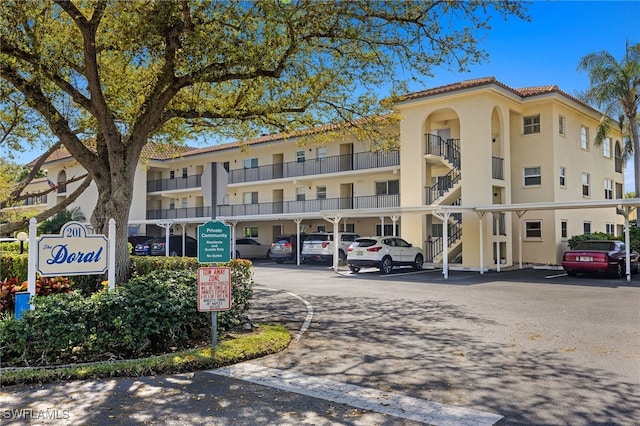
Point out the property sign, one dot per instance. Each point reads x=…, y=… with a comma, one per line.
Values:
x=73, y=252
x=214, y=289
x=214, y=242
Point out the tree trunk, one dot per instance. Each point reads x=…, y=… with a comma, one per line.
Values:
x=115, y=194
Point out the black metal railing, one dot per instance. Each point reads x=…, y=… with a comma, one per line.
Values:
x=447, y=148
x=180, y=213
x=193, y=181
x=444, y=184
x=310, y=206
x=316, y=166
x=436, y=244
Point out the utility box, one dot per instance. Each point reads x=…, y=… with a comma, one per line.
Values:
x=22, y=303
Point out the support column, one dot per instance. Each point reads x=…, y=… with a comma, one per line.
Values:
x=520, y=213
x=481, y=216
x=381, y=226
x=444, y=217
x=394, y=220
x=298, y=220
x=336, y=239
x=166, y=226
x=625, y=211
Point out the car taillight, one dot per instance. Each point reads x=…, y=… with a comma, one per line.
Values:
x=325, y=244
x=600, y=257
x=349, y=248
x=287, y=245
x=374, y=249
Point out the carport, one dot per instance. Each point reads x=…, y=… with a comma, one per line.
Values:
x=623, y=207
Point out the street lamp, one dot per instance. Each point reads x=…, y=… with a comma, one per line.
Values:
x=22, y=237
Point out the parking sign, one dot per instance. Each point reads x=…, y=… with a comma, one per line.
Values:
x=214, y=289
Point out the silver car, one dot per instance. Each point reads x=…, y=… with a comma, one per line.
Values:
x=318, y=246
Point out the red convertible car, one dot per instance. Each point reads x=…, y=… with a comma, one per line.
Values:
x=599, y=256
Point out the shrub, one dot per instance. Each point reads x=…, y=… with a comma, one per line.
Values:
x=143, y=265
x=44, y=287
x=576, y=239
x=149, y=314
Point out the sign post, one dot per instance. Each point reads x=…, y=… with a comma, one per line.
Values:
x=214, y=294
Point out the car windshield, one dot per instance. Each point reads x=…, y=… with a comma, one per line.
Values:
x=595, y=245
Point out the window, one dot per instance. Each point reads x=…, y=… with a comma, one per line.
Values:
x=321, y=152
x=300, y=193
x=561, y=125
x=388, y=187
x=172, y=174
x=563, y=177
x=586, y=228
x=250, y=197
x=172, y=204
x=321, y=192
x=184, y=173
x=532, y=176
x=533, y=229
x=300, y=156
x=618, y=157
x=531, y=124
x=606, y=147
x=618, y=191
x=610, y=229
x=584, y=137
x=586, y=191
x=608, y=189
x=563, y=229
x=184, y=202
x=250, y=232
x=250, y=163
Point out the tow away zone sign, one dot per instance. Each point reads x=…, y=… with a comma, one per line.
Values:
x=214, y=289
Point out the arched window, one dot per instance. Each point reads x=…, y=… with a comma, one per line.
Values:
x=618, y=159
x=62, y=178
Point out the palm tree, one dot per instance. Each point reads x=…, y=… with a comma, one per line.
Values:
x=615, y=90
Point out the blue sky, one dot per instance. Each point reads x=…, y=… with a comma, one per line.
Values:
x=546, y=50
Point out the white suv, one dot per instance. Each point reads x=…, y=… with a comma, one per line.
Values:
x=318, y=246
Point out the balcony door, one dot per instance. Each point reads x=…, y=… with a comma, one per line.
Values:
x=346, y=157
x=346, y=196
x=278, y=166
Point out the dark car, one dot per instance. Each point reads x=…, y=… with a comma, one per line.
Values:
x=283, y=247
x=137, y=239
x=599, y=256
x=158, y=246
x=143, y=248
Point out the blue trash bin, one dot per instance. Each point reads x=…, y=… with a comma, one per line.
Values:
x=22, y=303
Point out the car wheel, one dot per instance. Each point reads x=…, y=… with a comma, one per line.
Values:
x=386, y=265
x=354, y=269
x=571, y=273
x=342, y=256
x=279, y=261
x=237, y=255
x=268, y=254
x=418, y=262
x=620, y=272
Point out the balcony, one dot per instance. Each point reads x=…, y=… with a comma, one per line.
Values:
x=310, y=206
x=193, y=181
x=497, y=168
x=181, y=213
x=316, y=166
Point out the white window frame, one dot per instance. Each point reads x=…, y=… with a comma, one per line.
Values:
x=562, y=125
x=564, y=229
x=250, y=163
x=321, y=152
x=184, y=202
x=250, y=197
x=321, y=192
x=586, y=185
x=250, y=232
x=531, y=124
x=610, y=228
x=300, y=156
x=586, y=227
x=385, y=191
x=563, y=177
x=606, y=147
x=608, y=189
x=529, y=173
x=584, y=137
x=300, y=193
x=533, y=233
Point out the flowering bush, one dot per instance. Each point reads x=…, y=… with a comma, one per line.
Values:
x=44, y=287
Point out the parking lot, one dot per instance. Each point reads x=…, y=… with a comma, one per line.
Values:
x=533, y=345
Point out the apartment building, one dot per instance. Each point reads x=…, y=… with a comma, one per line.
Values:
x=470, y=153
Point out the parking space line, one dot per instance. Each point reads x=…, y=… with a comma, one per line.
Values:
x=391, y=404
